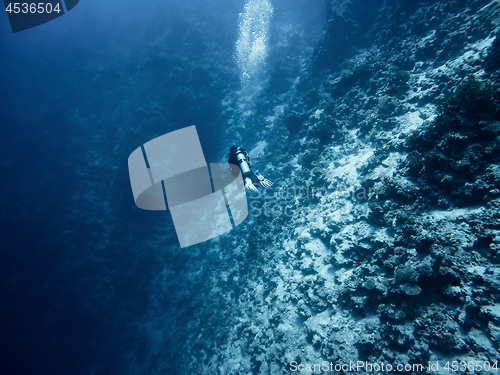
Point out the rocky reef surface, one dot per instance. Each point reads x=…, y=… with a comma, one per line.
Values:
x=381, y=241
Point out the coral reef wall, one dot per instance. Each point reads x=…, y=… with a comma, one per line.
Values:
x=380, y=242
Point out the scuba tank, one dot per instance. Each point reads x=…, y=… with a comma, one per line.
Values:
x=243, y=162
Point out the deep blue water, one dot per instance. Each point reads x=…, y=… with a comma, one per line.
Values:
x=79, y=263
x=399, y=99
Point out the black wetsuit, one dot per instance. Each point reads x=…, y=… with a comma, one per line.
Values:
x=233, y=160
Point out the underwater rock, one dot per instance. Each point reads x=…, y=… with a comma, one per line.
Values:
x=399, y=139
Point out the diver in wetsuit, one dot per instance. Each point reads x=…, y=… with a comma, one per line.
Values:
x=239, y=156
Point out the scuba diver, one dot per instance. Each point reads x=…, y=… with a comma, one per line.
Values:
x=239, y=156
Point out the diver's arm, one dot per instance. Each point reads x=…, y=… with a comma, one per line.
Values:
x=249, y=184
